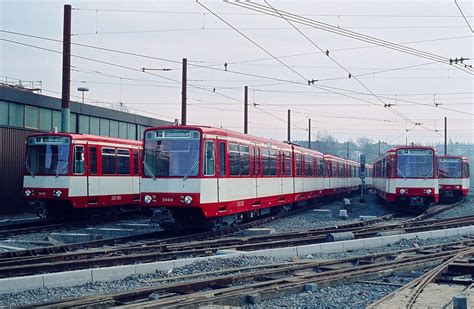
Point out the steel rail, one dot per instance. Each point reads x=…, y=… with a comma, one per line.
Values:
x=170, y=249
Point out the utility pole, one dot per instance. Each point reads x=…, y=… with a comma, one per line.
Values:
x=246, y=110
x=184, y=91
x=309, y=133
x=445, y=136
x=66, y=83
x=289, y=126
x=347, y=156
x=379, y=147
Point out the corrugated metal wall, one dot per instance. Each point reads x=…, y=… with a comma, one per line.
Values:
x=12, y=165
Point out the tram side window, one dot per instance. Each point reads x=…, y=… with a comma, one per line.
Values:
x=244, y=160
x=281, y=157
x=467, y=170
x=234, y=159
x=222, y=159
x=109, y=161
x=273, y=162
x=78, y=167
x=257, y=162
x=298, y=164
x=136, y=155
x=93, y=160
x=288, y=163
x=209, y=158
x=320, y=167
x=266, y=162
x=123, y=158
x=309, y=165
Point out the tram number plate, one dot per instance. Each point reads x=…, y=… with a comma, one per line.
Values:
x=116, y=197
x=167, y=199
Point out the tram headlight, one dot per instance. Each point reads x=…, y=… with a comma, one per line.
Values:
x=57, y=193
x=458, y=187
x=27, y=193
x=188, y=199
x=428, y=191
x=147, y=199
x=403, y=191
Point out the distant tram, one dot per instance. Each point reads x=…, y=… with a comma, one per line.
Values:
x=407, y=177
x=454, y=176
x=67, y=172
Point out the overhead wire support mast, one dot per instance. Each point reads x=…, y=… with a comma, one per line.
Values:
x=347, y=33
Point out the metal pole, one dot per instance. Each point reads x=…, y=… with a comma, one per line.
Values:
x=66, y=78
x=445, y=136
x=289, y=125
x=347, y=150
x=379, y=147
x=246, y=109
x=309, y=133
x=183, y=91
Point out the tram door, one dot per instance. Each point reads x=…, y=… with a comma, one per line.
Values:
x=93, y=181
x=255, y=170
x=210, y=184
x=222, y=171
x=78, y=183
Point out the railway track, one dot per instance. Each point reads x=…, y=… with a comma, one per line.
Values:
x=436, y=210
x=140, y=239
x=188, y=246
x=250, y=284
x=455, y=271
x=41, y=225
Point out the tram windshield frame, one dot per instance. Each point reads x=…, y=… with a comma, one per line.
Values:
x=172, y=153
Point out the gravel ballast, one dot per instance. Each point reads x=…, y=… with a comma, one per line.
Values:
x=136, y=281
x=311, y=220
x=465, y=209
x=41, y=239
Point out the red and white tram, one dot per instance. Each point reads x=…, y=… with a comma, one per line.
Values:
x=407, y=176
x=214, y=177
x=65, y=171
x=454, y=173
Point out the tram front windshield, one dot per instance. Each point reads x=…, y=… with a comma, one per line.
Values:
x=415, y=163
x=172, y=152
x=449, y=167
x=47, y=155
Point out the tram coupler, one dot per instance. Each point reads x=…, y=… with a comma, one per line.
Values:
x=162, y=216
x=37, y=207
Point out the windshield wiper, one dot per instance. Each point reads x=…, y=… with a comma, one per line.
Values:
x=62, y=170
x=148, y=169
x=190, y=170
x=29, y=170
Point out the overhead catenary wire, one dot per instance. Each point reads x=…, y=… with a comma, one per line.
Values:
x=341, y=49
x=327, y=54
x=175, y=81
x=464, y=16
x=347, y=33
x=249, y=14
x=282, y=81
x=290, y=68
x=119, y=66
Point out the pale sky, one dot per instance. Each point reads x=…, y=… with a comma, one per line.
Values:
x=172, y=30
